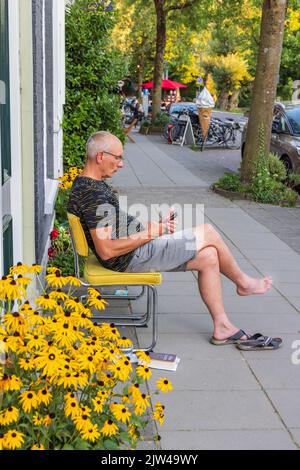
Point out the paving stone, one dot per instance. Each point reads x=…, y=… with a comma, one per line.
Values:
x=219, y=410
x=229, y=440
x=276, y=373
x=286, y=403
x=296, y=435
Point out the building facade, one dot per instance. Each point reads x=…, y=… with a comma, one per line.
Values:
x=32, y=95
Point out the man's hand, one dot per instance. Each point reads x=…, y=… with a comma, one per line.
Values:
x=169, y=224
x=156, y=229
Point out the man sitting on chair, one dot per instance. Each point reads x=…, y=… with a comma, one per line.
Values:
x=122, y=243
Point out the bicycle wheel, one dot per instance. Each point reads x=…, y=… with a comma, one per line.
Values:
x=231, y=138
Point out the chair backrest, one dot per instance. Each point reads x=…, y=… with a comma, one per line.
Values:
x=78, y=235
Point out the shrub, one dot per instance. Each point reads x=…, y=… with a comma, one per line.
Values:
x=65, y=382
x=61, y=252
x=229, y=182
x=161, y=120
x=276, y=167
x=93, y=69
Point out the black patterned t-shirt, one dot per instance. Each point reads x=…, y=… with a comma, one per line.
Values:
x=97, y=206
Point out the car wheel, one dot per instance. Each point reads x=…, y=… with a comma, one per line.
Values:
x=287, y=162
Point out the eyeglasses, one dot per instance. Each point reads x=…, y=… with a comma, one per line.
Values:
x=119, y=158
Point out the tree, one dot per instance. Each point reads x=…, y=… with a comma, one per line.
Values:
x=265, y=85
x=93, y=69
x=163, y=8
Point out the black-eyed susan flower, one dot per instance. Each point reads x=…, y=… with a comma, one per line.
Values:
x=164, y=385
x=35, y=268
x=98, y=405
x=46, y=302
x=91, y=433
x=144, y=372
x=23, y=281
x=75, y=304
x=124, y=342
x=2, y=442
x=125, y=399
x=134, y=391
x=27, y=363
x=26, y=307
x=66, y=334
x=13, y=439
x=132, y=431
x=159, y=413
x=110, y=332
x=58, y=295
x=72, y=408
x=97, y=302
x=56, y=279
x=74, y=281
x=50, y=360
x=143, y=357
x=37, y=419
x=109, y=428
x=13, y=291
x=119, y=371
x=14, y=343
x=38, y=447
x=10, y=382
x=44, y=396
x=120, y=412
x=141, y=403
x=14, y=321
x=82, y=422
x=35, y=342
x=47, y=420
x=9, y=415
x=29, y=400
x=19, y=268
x=33, y=317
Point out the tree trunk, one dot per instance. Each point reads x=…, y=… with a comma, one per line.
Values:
x=233, y=101
x=161, y=28
x=265, y=84
x=223, y=100
x=140, y=75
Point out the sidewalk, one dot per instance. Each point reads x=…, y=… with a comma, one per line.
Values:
x=223, y=398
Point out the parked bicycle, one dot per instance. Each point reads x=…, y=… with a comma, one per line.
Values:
x=220, y=133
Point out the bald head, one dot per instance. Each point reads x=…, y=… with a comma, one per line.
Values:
x=101, y=141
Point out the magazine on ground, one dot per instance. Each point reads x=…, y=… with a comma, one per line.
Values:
x=163, y=361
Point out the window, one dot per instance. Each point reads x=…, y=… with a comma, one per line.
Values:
x=4, y=93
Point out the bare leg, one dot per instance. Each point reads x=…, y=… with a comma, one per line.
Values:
x=209, y=281
x=246, y=285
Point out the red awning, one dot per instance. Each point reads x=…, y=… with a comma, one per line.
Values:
x=166, y=84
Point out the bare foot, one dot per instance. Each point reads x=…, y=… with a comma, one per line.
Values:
x=255, y=286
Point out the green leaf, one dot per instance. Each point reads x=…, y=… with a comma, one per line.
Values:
x=111, y=444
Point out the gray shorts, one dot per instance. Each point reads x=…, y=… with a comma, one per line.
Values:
x=166, y=253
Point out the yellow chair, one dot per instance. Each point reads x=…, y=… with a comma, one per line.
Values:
x=95, y=275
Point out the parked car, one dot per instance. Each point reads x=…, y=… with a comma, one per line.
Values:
x=285, y=140
x=173, y=109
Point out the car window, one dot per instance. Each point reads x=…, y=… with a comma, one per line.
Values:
x=294, y=119
x=281, y=123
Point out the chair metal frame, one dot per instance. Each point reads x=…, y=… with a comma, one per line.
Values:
x=140, y=320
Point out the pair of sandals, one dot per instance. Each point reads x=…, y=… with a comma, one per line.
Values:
x=256, y=342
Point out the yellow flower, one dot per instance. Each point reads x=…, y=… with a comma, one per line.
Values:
x=120, y=412
x=141, y=403
x=66, y=335
x=159, y=413
x=37, y=420
x=124, y=342
x=93, y=292
x=82, y=423
x=33, y=317
x=97, y=302
x=119, y=371
x=35, y=342
x=72, y=408
x=110, y=332
x=75, y=304
x=91, y=433
x=12, y=291
x=14, y=343
x=164, y=385
x=47, y=420
x=132, y=432
x=98, y=405
x=19, y=268
x=58, y=295
x=46, y=302
x=37, y=447
x=125, y=399
x=143, y=357
x=10, y=383
x=23, y=281
x=9, y=415
x=53, y=270
x=13, y=439
x=35, y=268
x=74, y=281
x=2, y=442
x=134, y=390
x=56, y=279
x=26, y=364
x=14, y=322
x=72, y=380
x=144, y=372
x=109, y=428
x=29, y=400
x=50, y=360
x=44, y=396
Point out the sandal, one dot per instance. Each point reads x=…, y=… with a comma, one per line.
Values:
x=259, y=343
x=234, y=339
